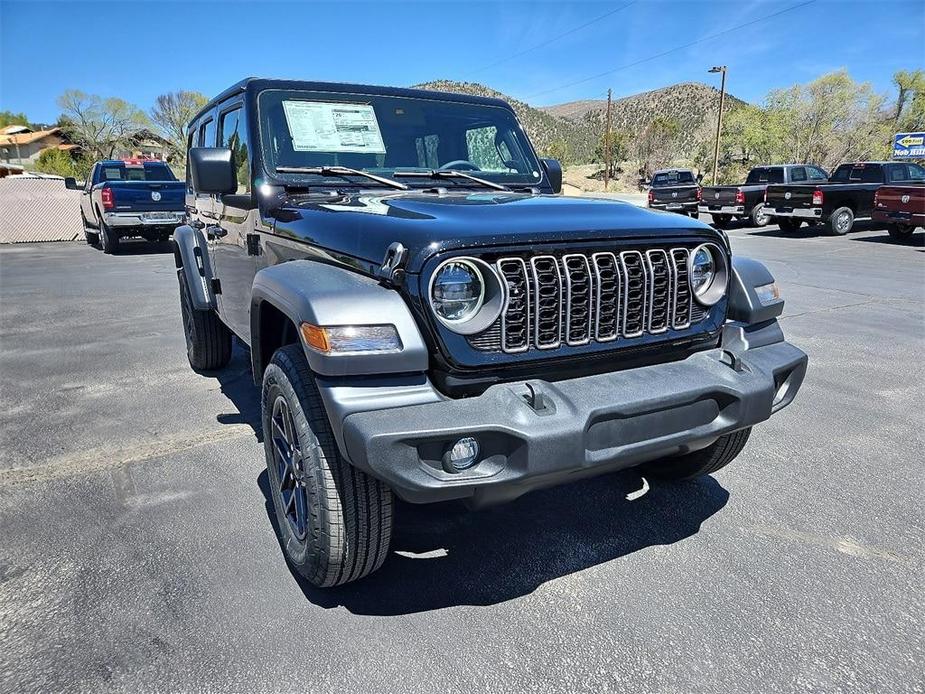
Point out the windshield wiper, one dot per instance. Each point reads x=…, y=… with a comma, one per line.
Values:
x=340, y=171
x=451, y=173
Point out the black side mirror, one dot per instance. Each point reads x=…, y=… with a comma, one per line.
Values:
x=212, y=170
x=554, y=172
x=70, y=183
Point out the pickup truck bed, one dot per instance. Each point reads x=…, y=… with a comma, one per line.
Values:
x=901, y=209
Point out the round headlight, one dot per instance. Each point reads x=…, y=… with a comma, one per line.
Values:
x=708, y=274
x=466, y=295
x=458, y=291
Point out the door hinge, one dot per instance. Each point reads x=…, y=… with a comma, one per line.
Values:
x=392, y=271
x=216, y=286
x=253, y=244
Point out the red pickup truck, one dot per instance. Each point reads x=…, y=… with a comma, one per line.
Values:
x=901, y=208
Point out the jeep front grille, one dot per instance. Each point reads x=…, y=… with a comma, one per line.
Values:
x=578, y=298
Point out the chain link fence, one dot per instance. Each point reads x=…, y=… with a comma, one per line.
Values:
x=38, y=209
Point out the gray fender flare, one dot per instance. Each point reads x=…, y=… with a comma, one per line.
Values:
x=308, y=291
x=191, y=254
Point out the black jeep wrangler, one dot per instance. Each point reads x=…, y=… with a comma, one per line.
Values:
x=427, y=317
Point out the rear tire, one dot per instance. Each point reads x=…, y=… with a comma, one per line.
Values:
x=334, y=521
x=109, y=240
x=721, y=221
x=759, y=217
x=900, y=232
x=208, y=340
x=840, y=222
x=788, y=224
x=703, y=462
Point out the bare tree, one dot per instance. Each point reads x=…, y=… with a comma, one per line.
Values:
x=172, y=113
x=99, y=125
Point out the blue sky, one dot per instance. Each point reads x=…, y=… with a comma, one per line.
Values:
x=138, y=49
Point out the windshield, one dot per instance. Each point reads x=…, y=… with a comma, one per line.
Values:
x=672, y=178
x=767, y=175
x=385, y=134
x=128, y=172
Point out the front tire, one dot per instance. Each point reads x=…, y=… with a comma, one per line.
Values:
x=334, y=521
x=759, y=216
x=703, y=462
x=840, y=222
x=208, y=340
x=108, y=239
x=900, y=232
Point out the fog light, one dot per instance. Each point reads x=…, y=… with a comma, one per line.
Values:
x=464, y=454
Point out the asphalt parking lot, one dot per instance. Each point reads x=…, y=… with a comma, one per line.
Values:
x=137, y=553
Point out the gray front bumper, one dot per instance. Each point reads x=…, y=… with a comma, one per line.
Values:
x=591, y=425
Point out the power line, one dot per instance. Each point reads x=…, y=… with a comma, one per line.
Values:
x=554, y=38
x=671, y=50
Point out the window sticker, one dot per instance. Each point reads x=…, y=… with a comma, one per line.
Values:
x=317, y=126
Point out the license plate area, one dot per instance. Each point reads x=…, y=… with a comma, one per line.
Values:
x=158, y=216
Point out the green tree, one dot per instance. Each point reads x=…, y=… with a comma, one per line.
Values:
x=616, y=143
x=56, y=161
x=654, y=145
x=559, y=150
x=910, y=101
x=99, y=125
x=10, y=118
x=171, y=115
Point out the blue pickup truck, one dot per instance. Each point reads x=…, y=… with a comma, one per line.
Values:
x=126, y=198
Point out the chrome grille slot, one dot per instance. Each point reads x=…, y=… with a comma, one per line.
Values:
x=682, y=289
x=660, y=290
x=578, y=296
x=547, y=294
x=607, y=296
x=634, y=293
x=515, y=319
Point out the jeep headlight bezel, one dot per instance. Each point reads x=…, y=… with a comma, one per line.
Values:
x=708, y=273
x=488, y=295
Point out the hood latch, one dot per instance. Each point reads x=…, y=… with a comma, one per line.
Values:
x=392, y=270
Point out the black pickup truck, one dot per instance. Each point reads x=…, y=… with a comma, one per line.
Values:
x=846, y=197
x=746, y=201
x=132, y=197
x=675, y=190
x=427, y=317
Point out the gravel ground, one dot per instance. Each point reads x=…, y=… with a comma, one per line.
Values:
x=137, y=554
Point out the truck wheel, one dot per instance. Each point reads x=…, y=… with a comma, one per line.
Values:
x=840, y=221
x=334, y=521
x=208, y=340
x=703, y=462
x=721, y=221
x=92, y=237
x=900, y=232
x=759, y=216
x=788, y=224
x=108, y=239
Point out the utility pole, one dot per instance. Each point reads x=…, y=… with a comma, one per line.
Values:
x=608, y=150
x=719, y=119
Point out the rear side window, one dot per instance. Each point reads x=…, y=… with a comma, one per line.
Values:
x=233, y=135
x=766, y=174
x=916, y=172
x=798, y=173
x=815, y=174
x=870, y=174
x=207, y=134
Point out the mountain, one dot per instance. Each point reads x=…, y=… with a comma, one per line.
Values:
x=578, y=124
x=543, y=128
x=692, y=104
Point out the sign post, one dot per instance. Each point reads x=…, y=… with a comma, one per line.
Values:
x=909, y=146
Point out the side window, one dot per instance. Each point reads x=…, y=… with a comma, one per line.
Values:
x=798, y=173
x=90, y=178
x=916, y=172
x=815, y=174
x=207, y=134
x=233, y=135
x=480, y=143
x=189, y=146
x=871, y=174
x=897, y=172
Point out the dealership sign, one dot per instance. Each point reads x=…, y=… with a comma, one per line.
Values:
x=909, y=146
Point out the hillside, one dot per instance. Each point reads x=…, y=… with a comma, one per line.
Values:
x=543, y=128
x=692, y=104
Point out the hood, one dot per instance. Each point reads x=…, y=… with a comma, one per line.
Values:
x=363, y=225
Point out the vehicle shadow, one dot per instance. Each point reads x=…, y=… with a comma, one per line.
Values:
x=443, y=555
x=917, y=240
x=237, y=384
x=809, y=232
x=142, y=247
